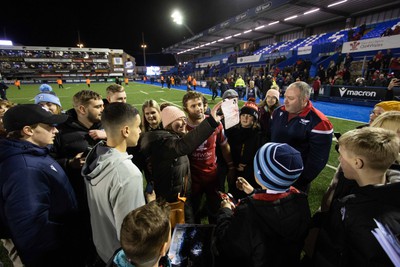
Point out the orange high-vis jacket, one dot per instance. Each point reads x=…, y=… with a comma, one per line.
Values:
x=17, y=83
x=59, y=81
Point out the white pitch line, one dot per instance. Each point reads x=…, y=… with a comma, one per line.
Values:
x=344, y=119
x=144, y=92
x=332, y=167
x=172, y=102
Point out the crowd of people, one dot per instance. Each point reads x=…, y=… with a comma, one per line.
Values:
x=72, y=180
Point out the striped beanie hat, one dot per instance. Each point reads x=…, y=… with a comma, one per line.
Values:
x=277, y=166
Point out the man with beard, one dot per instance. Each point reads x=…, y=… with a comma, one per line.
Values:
x=76, y=137
x=203, y=161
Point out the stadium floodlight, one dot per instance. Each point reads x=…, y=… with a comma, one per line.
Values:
x=6, y=42
x=144, y=46
x=178, y=19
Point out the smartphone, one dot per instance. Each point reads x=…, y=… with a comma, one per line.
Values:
x=229, y=196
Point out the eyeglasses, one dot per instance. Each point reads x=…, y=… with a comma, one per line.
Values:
x=337, y=148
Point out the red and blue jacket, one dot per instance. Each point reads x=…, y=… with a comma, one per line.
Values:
x=310, y=132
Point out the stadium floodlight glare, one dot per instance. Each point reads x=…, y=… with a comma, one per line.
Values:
x=80, y=45
x=247, y=31
x=272, y=23
x=311, y=11
x=237, y=34
x=6, y=42
x=289, y=18
x=337, y=3
x=178, y=19
x=259, y=27
x=144, y=46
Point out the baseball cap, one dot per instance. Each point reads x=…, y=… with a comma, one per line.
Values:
x=23, y=115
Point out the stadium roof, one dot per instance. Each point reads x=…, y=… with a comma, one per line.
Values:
x=272, y=18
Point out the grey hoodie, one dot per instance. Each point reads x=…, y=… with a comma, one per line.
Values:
x=114, y=187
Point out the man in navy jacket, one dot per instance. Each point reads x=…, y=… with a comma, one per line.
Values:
x=37, y=203
x=305, y=128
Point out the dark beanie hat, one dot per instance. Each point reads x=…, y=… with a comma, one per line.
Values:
x=277, y=166
x=251, y=108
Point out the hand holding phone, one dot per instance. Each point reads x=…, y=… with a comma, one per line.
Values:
x=229, y=199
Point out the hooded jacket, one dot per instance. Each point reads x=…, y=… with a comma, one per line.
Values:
x=114, y=187
x=264, y=230
x=345, y=238
x=72, y=139
x=37, y=204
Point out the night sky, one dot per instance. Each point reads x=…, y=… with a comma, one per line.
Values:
x=116, y=25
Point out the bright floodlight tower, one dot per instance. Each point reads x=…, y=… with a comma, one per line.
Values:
x=178, y=19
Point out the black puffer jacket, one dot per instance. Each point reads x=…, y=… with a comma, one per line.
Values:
x=73, y=138
x=166, y=156
x=345, y=238
x=264, y=230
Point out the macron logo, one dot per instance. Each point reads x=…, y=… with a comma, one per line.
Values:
x=342, y=91
x=304, y=122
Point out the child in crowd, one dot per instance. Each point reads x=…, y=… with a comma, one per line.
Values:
x=145, y=237
x=266, y=107
x=267, y=228
x=48, y=99
x=245, y=139
x=345, y=237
